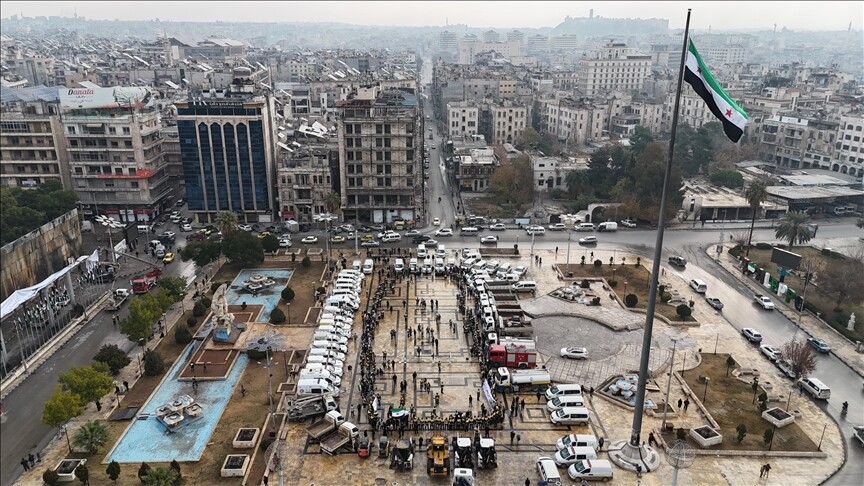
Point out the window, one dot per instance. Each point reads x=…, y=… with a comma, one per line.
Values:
x=133, y=184
x=379, y=129
x=112, y=130
x=126, y=131
x=71, y=130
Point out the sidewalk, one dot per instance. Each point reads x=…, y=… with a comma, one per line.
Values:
x=841, y=347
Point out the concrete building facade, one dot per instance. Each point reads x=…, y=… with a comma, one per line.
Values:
x=613, y=68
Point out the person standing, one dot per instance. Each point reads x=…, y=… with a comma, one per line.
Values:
x=686, y=404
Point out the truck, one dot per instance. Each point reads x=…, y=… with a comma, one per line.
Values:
x=512, y=356
x=463, y=452
x=142, y=285
x=118, y=297
x=438, y=456
x=292, y=226
x=516, y=326
x=493, y=285
x=486, y=456
x=528, y=343
x=609, y=226
x=346, y=433
x=303, y=408
x=463, y=477
x=764, y=301
x=402, y=456
x=519, y=380
x=331, y=420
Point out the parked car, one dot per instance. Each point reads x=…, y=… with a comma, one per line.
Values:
x=337, y=239
x=773, y=353
x=557, y=227
x=185, y=227
x=262, y=235
x=628, y=223
x=285, y=242
x=574, y=353
x=536, y=230
x=436, y=221
x=308, y=240
x=498, y=227
x=491, y=239
x=714, y=302
x=751, y=335
x=819, y=345
x=244, y=227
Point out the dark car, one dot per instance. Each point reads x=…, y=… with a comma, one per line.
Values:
x=419, y=239
x=819, y=345
x=103, y=277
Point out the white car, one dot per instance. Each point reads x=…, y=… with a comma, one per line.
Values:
x=436, y=222
x=309, y=240
x=628, y=223
x=536, y=230
x=752, y=335
x=498, y=227
x=557, y=227
x=443, y=232
x=285, y=243
x=413, y=232
x=521, y=270
x=244, y=227
x=588, y=240
x=764, y=301
x=773, y=353
x=489, y=239
x=186, y=227
x=574, y=353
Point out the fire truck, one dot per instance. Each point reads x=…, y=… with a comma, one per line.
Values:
x=143, y=284
x=512, y=356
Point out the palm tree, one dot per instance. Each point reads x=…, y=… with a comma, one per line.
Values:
x=332, y=202
x=755, y=193
x=794, y=228
x=226, y=221
x=160, y=476
x=90, y=437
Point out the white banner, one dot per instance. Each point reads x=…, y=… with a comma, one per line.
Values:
x=118, y=97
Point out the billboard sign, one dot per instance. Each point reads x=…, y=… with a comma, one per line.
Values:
x=785, y=258
x=117, y=97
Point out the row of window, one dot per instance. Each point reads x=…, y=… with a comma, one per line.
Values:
x=380, y=199
x=379, y=181
x=357, y=156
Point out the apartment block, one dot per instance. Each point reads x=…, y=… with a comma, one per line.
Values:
x=380, y=149
x=613, y=68
x=850, y=146
x=304, y=176
x=508, y=121
x=462, y=119
x=32, y=145
x=798, y=141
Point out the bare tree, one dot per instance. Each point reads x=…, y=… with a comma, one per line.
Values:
x=739, y=237
x=844, y=279
x=800, y=356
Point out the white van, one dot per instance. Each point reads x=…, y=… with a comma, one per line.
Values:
x=427, y=265
x=330, y=345
x=548, y=470
x=607, y=226
x=504, y=268
x=399, y=267
x=585, y=227
x=356, y=265
x=441, y=251
x=421, y=251
x=815, y=388
x=468, y=230
x=143, y=229
x=333, y=331
x=563, y=390
x=315, y=387
x=368, y=266
x=571, y=455
x=343, y=291
x=354, y=287
x=321, y=374
x=570, y=416
x=351, y=272
x=412, y=265
x=333, y=370
x=439, y=266
x=524, y=286
x=325, y=360
x=699, y=286
x=451, y=265
x=390, y=237
x=331, y=337
x=577, y=440
x=327, y=353
x=593, y=469
x=560, y=402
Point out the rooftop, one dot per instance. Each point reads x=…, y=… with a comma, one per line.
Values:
x=813, y=192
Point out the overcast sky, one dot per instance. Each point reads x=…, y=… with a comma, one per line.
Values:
x=796, y=15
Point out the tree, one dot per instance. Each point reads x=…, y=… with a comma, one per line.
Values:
x=174, y=286
x=794, y=228
x=277, y=316
x=631, y=300
x=306, y=262
x=270, y=243
x=730, y=362
x=641, y=138
x=82, y=473
x=182, y=334
x=646, y=195
x=62, y=406
x=50, y=477
x=727, y=178
x=844, y=279
x=199, y=309
x=113, y=356
x=287, y=293
x=741, y=429
x=143, y=312
x=683, y=311
x=154, y=364
x=578, y=184
x=768, y=437
x=176, y=467
x=544, y=142
x=226, y=222
x=201, y=252
x=800, y=357
x=90, y=437
x=755, y=194
x=113, y=471
x=242, y=248
x=160, y=476
x=508, y=182
x=22, y=211
x=143, y=471
x=332, y=202
x=90, y=383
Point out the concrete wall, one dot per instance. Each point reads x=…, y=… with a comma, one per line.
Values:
x=36, y=255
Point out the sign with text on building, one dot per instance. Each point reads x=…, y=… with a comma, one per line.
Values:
x=117, y=97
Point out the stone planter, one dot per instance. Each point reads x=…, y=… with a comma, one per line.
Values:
x=778, y=417
x=65, y=469
x=706, y=436
x=235, y=465
x=246, y=438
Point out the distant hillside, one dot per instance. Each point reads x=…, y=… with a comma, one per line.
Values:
x=594, y=26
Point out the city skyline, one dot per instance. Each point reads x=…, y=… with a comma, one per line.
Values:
x=805, y=16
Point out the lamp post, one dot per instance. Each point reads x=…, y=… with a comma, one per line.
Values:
x=569, y=234
x=66, y=433
x=110, y=224
x=625, y=289
x=668, y=383
x=705, y=392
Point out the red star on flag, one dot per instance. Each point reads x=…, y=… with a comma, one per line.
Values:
x=699, y=70
x=729, y=113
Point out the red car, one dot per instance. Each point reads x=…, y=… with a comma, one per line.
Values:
x=363, y=448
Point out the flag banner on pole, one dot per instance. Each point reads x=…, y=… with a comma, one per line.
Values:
x=696, y=74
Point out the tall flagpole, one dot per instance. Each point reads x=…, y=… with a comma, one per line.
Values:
x=632, y=450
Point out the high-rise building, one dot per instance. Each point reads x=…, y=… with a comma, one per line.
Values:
x=447, y=42
x=491, y=36
x=380, y=148
x=516, y=36
x=227, y=147
x=850, y=155
x=613, y=68
x=462, y=119
x=114, y=140
x=32, y=146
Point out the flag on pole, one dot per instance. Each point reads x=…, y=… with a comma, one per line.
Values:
x=696, y=74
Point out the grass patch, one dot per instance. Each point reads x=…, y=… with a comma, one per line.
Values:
x=730, y=402
x=637, y=278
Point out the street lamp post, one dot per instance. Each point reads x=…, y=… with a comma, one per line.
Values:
x=110, y=224
x=569, y=234
x=66, y=433
x=668, y=383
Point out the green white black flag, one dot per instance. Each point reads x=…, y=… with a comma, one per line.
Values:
x=696, y=74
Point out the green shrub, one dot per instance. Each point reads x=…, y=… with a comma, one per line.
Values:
x=176, y=466
x=585, y=283
x=763, y=246
x=631, y=300
x=287, y=293
x=191, y=322
x=207, y=302
x=681, y=434
x=306, y=263
x=182, y=334
x=50, y=477
x=113, y=356
x=595, y=301
x=741, y=430
x=113, y=471
x=683, y=311
x=613, y=283
x=154, y=364
x=665, y=297
x=214, y=286
x=277, y=316
x=243, y=305
x=199, y=309
x=598, y=263
x=320, y=291
x=143, y=471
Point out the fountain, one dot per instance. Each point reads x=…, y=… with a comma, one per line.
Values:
x=258, y=282
x=222, y=319
x=179, y=412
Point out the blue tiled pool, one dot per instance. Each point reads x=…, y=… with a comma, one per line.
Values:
x=268, y=298
x=146, y=440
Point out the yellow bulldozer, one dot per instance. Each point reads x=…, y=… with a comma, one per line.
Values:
x=438, y=456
